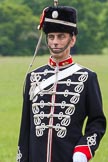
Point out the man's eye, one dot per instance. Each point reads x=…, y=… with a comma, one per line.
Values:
x=50, y=37
x=62, y=36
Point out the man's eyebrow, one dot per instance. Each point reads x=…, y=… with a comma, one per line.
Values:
x=51, y=35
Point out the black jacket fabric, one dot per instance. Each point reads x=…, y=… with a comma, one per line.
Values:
x=53, y=119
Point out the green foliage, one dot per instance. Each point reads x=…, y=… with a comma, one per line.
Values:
x=89, y=27
x=104, y=25
x=38, y=6
x=17, y=29
x=19, y=20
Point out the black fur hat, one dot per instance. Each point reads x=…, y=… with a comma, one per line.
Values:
x=59, y=19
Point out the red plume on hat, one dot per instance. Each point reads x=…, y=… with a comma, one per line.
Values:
x=42, y=19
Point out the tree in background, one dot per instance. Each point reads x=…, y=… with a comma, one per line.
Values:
x=37, y=6
x=104, y=28
x=17, y=30
x=89, y=38
x=18, y=23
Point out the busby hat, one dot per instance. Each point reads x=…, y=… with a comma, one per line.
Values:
x=59, y=19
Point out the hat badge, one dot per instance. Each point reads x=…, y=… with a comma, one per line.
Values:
x=54, y=14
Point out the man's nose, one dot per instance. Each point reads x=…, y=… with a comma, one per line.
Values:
x=55, y=40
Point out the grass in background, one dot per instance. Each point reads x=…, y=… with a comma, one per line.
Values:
x=12, y=72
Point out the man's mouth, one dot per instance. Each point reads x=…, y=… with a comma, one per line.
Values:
x=56, y=50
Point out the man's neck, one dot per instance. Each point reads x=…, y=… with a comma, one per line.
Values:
x=57, y=60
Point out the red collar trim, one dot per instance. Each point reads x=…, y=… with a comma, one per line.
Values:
x=68, y=61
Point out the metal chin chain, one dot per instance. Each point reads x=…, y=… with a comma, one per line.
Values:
x=61, y=49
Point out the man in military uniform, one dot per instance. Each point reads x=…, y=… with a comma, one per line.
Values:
x=58, y=97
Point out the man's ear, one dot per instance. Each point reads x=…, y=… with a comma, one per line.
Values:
x=73, y=40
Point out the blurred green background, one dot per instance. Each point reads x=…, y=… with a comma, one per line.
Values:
x=19, y=20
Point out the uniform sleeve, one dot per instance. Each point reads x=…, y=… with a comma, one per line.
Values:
x=23, y=144
x=96, y=123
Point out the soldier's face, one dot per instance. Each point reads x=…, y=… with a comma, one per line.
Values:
x=59, y=44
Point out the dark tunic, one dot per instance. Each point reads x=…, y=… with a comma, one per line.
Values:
x=53, y=117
